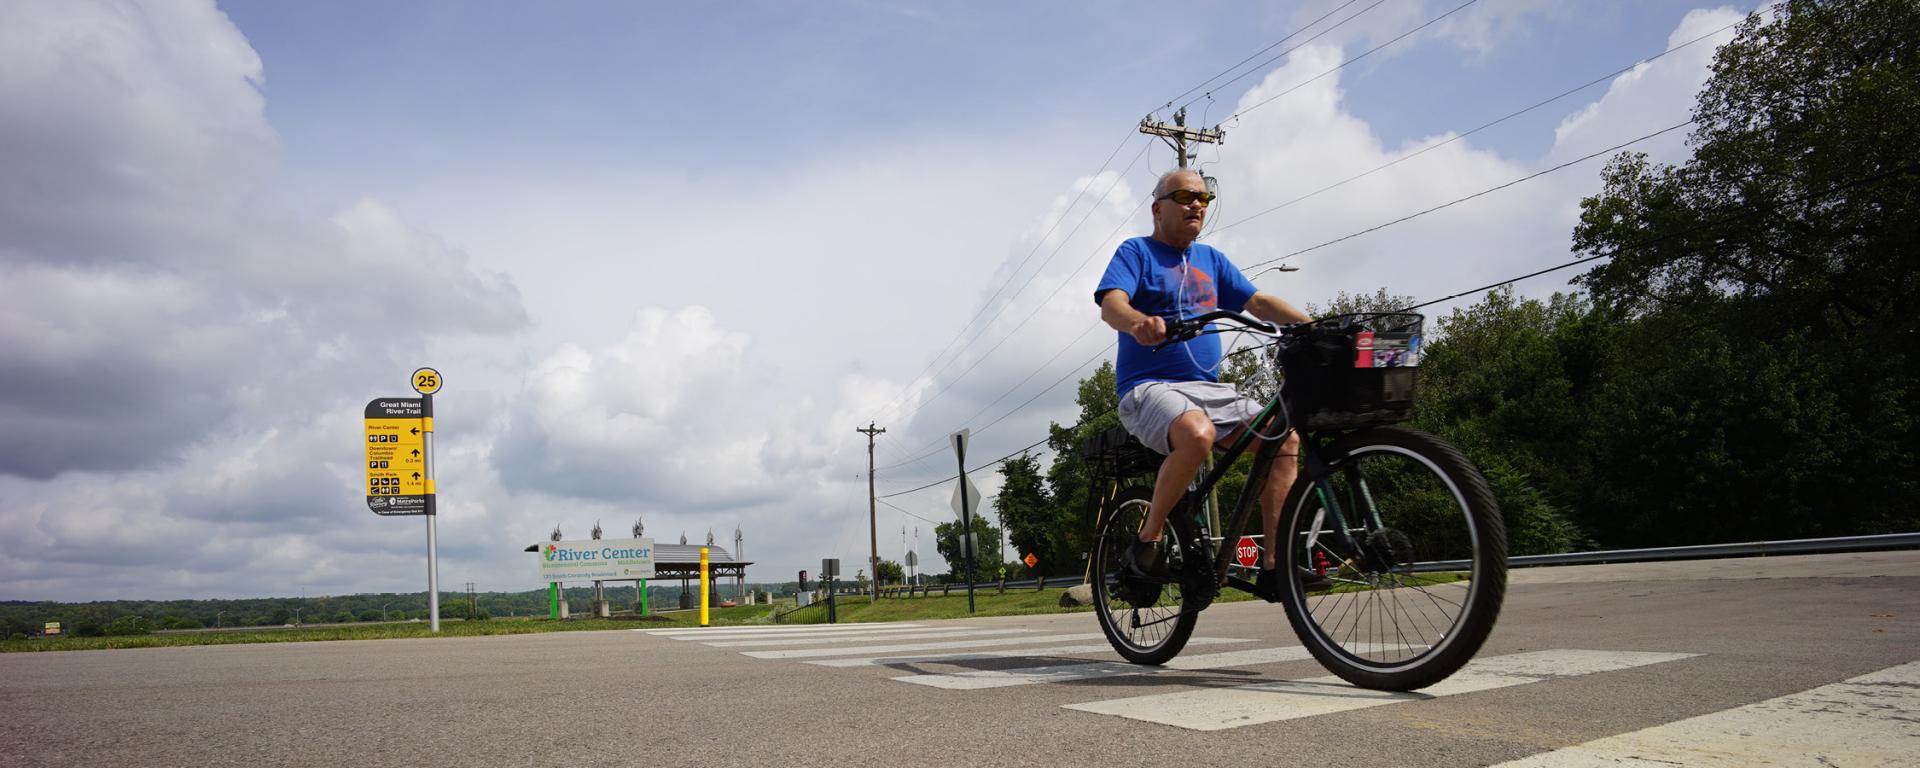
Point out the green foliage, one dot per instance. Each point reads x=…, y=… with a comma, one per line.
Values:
x=1035, y=524
x=986, y=564
x=891, y=572
x=128, y=625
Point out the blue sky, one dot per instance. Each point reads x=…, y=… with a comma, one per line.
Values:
x=670, y=256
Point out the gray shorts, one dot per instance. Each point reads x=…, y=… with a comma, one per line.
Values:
x=1149, y=409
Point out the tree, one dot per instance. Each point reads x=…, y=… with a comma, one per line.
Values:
x=1034, y=523
x=1767, y=356
x=986, y=565
x=890, y=572
x=1071, y=478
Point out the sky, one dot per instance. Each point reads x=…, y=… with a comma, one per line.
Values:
x=669, y=257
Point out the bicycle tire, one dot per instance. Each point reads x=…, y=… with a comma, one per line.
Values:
x=1154, y=633
x=1436, y=509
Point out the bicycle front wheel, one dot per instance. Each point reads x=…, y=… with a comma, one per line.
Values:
x=1146, y=623
x=1408, y=533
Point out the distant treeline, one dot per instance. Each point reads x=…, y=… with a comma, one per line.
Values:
x=25, y=619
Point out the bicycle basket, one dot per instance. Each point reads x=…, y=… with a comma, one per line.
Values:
x=1119, y=452
x=1350, y=371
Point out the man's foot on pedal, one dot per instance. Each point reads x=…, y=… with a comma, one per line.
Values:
x=1142, y=561
x=1271, y=588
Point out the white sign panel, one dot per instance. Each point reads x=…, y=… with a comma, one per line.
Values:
x=973, y=498
x=596, y=560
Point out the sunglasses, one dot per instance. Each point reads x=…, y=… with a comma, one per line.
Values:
x=1188, y=196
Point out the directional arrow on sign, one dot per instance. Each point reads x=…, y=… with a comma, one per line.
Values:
x=415, y=430
x=416, y=452
x=416, y=475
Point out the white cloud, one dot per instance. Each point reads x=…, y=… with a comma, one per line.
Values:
x=184, y=366
x=181, y=366
x=1650, y=97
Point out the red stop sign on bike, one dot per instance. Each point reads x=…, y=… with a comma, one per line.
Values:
x=1247, y=551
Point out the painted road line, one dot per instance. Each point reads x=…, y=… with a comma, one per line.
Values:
x=1862, y=721
x=775, y=630
x=1061, y=673
x=881, y=661
x=864, y=650
x=1223, y=708
x=782, y=635
x=818, y=639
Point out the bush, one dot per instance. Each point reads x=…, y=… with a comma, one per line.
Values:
x=129, y=625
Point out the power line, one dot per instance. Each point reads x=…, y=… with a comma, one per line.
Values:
x=1489, y=190
x=1030, y=446
x=1343, y=65
x=1751, y=211
x=905, y=512
x=1108, y=162
x=1050, y=387
x=1016, y=270
x=1482, y=127
x=1003, y=307
x=1400, y=220
x=1277, y=56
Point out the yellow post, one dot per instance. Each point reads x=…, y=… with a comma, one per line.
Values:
x=703, y=586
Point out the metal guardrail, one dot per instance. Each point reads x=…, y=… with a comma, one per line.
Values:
x=1703, y=551
x=1655, y=554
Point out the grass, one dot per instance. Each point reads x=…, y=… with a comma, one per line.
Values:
x=987, y=602
x=742, y=615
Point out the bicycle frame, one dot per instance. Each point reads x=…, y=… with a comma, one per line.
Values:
x=1312, y=467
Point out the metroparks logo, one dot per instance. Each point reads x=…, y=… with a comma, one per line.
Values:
x=550, y=550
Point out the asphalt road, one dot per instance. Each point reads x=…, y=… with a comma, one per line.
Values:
x=1728, y=662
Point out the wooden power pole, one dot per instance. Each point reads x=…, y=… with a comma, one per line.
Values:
x=1178, y=135
x=873, y=524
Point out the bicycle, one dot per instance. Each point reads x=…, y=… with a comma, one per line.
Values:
x=1399, y=522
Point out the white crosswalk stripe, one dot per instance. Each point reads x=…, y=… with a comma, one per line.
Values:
x=1060, y=673
x=817, y=639
x=1063, y=650
x=1864, y=721
x=807, y=629
x=859, y=650
x=1223, y=708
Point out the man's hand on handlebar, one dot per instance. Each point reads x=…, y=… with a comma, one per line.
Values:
x=1148, y=330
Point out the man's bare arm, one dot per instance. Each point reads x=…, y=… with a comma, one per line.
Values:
x=1274, y=309
x=1116, y=310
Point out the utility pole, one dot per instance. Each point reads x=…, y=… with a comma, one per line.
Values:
x=1178, y=135
x=873, y=514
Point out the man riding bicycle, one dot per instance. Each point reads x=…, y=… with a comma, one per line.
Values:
x=1172, y=400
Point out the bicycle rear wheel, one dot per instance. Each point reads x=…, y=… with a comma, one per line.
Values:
x=1409, y=534
x=1146, y=623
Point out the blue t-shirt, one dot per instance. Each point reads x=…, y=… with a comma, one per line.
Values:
x=1158, y=281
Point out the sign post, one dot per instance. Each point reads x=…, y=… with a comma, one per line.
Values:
x=829, y=569
x=399, y=453
x=965, y=499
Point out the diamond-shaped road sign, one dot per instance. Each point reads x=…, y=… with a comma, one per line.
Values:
x=973, y=498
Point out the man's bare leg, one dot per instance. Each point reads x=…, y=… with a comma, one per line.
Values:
x=1280, y=476
x=1191, y=438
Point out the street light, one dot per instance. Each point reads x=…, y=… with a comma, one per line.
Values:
x=383, y=611
x=216, y=618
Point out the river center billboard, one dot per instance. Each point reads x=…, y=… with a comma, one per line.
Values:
x=596, y=560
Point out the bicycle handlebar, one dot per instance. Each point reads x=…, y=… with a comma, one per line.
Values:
x=1184, y=329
